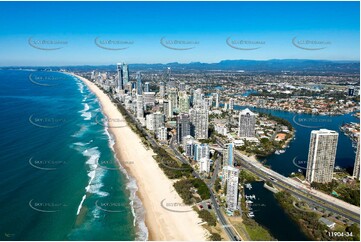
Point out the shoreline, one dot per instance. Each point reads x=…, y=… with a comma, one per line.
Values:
x=153, y=186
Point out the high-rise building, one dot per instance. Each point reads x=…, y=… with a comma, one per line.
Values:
x=146, y=87
x=154, y=121
x=167, y=109
x=356, y=168
x=201, y=151
x=188, y=145
x=199, y=123
x=149, y=98
x=139, y=84
x=183, y=102
x=182, y=86
x=183, y=127
x=161, y=89
x=207, y=103
x=125, y=75
x=246, y=124
x=216, y=99
x=228, y=155
x=232, y=189
x=173, y=97
x=321, y=156
x=204, y=165
x=197, y=98
x=140, y=107
x=231, y=104
x=162, y=134
x=351, y=91
x=120, y=84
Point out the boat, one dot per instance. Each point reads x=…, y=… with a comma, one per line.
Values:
x=250, y=215
x=278, y=152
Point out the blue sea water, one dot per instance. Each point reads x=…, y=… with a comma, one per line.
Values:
x=59, y=178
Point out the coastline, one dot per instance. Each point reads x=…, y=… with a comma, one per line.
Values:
x=153, y=186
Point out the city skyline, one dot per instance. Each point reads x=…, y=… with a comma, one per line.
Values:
x=239, y=31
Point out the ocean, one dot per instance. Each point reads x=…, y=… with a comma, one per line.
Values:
x=59, y=177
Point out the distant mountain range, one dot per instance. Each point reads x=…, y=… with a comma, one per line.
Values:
x=274, y=65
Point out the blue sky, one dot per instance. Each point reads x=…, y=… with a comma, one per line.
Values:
x=265, y=29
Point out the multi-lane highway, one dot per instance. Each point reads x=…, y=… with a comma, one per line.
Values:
x=298, y=189
x=224, y=223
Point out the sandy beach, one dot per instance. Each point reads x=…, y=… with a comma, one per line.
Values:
x=167, y=218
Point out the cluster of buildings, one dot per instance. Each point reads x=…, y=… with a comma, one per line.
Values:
x=312, y=105
x=179, y=110
x=173, y=107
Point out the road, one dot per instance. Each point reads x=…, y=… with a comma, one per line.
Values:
x=224, y=223
x=298, y=189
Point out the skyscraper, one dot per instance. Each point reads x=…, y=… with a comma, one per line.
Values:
x=199, y=123
x=140, y=107
x=120, y=84
x=201, y=151
x=173, y=97
x=167, y=109
x=146, y=87
x=183, y=102
x=183, y=127
x=197, y=98
x=321, y=156
x=162, y=134
x=351, y=91
x=246, y=124
x=161, y=89
x=216, y=99
x=125, y=74
x=204, y=165
x=231, y=104
x=182, y=86
x=232, y=189
x=154, y=121
x=139, y=84
x=356, y=168
x=228, y=155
